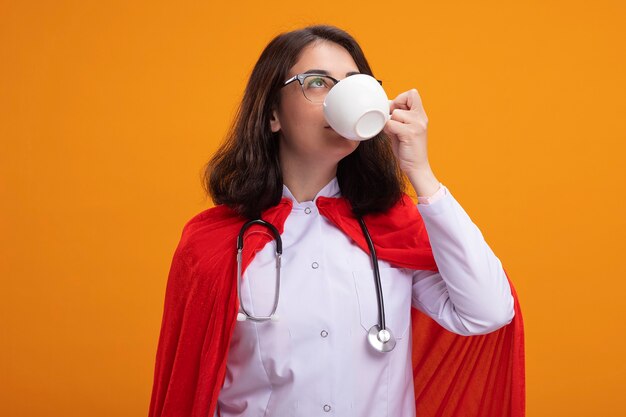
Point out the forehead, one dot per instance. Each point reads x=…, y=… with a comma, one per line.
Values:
x=327, y=56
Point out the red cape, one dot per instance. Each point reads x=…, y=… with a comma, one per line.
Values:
x=454, y=375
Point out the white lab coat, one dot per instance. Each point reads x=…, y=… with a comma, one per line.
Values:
x=316, y=359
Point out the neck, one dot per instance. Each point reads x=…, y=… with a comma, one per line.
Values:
x=306, y=178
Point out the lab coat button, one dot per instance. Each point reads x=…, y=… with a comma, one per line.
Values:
x=307, y=210
x=326, y=408
x=324, y=333
x=315, y=265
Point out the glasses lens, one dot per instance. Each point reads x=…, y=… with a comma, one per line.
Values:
x=316, y=87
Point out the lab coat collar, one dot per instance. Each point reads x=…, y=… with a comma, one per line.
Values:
x=330, y=190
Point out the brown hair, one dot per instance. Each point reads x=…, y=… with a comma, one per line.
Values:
x=245, y=172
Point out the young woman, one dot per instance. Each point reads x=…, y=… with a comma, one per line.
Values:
x=318, y=356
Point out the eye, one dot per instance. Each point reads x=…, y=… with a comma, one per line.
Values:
x=317, y=82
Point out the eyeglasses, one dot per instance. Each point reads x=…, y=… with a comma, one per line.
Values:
x=315, y=87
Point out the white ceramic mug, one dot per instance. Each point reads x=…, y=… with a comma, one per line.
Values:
x=357, y=107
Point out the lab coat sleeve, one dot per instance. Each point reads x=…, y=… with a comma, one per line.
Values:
x=470, y=294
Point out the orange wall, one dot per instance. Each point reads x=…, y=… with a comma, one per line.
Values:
x=109, y=109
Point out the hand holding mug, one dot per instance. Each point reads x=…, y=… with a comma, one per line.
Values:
x=358, y=109
x=407, y=130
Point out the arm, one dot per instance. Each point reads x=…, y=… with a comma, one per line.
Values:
x=470, y=294
x=189, y=366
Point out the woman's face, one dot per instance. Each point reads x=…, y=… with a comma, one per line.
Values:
x=304, y=133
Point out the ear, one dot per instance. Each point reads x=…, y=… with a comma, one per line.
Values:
x=274, y=122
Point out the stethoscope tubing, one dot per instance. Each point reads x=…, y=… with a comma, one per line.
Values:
x=379, y=336
x=279, y=253
x=379, y=290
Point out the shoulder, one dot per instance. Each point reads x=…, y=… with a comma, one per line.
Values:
x=406, y=203
x=210, y=217
x=402, y=222
x=209, y=231
x=405, y=209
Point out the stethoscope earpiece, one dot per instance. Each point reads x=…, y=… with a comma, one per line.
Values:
x=242, y=317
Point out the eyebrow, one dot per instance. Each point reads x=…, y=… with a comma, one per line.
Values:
x=321, y=71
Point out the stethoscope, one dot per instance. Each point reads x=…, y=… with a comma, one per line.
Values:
x=379, y=336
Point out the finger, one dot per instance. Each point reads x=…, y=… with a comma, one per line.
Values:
x=409, y=100
x=396, y=128
x=395, y=105
x=405, y=116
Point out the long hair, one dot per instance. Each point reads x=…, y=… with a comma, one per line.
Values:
x=245, y=173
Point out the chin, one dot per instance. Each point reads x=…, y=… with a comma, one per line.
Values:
x=343, y=147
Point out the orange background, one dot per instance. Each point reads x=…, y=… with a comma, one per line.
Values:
x=108, y=110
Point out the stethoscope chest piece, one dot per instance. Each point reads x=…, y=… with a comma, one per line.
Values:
x=381, y=340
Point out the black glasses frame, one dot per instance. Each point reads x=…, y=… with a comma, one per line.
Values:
x=300, y=78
